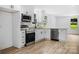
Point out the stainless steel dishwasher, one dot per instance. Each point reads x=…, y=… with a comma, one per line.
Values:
x=55, y=34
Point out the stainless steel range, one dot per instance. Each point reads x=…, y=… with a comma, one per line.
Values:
x=30, y=36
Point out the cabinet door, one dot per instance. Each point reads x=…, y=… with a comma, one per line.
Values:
x=17, y=7
x=38, y=35
x=42, y=34
x=62, y=35
x=23, y=38
x=47, y=34
x=39, y=15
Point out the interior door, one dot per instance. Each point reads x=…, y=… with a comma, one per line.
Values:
x=5, y=30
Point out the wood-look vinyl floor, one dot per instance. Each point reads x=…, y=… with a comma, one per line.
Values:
x=71, y=46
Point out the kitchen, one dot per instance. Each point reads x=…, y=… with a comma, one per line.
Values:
x=31, y=24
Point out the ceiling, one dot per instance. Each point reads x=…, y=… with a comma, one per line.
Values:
x=59, y=10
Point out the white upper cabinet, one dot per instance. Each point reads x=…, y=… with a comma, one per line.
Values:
x=16, y=7
x=39, y=15
x=28, y=10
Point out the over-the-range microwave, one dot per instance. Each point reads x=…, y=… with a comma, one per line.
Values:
x=25, y=18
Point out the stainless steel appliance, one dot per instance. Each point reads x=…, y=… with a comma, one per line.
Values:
x=30, y=36
x=55, y=34
x=25, y=18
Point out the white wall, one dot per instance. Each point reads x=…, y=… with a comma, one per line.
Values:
x=64, y=22
x=51, y=21
x=5, y=30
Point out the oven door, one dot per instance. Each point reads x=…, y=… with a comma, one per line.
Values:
x=30, y=37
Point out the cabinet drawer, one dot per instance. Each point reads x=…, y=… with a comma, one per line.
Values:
x=23, y=31
x=23, y=36
x=23, y=39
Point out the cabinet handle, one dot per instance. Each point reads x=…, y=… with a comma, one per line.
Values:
x=22, y=42
x=23, y=32
x=22, y=36
x=41, y=32
x=12, y=6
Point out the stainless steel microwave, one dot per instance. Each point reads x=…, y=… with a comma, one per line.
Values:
x=25, y=18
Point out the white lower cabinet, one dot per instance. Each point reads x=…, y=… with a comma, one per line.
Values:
x=47, y=34
x=62, y=35
x=41, y=34
x=38, y=35
x=23, y=38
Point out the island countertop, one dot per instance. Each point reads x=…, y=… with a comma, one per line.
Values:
x=52, y=28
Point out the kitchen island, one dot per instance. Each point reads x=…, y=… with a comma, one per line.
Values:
x=58, y=34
